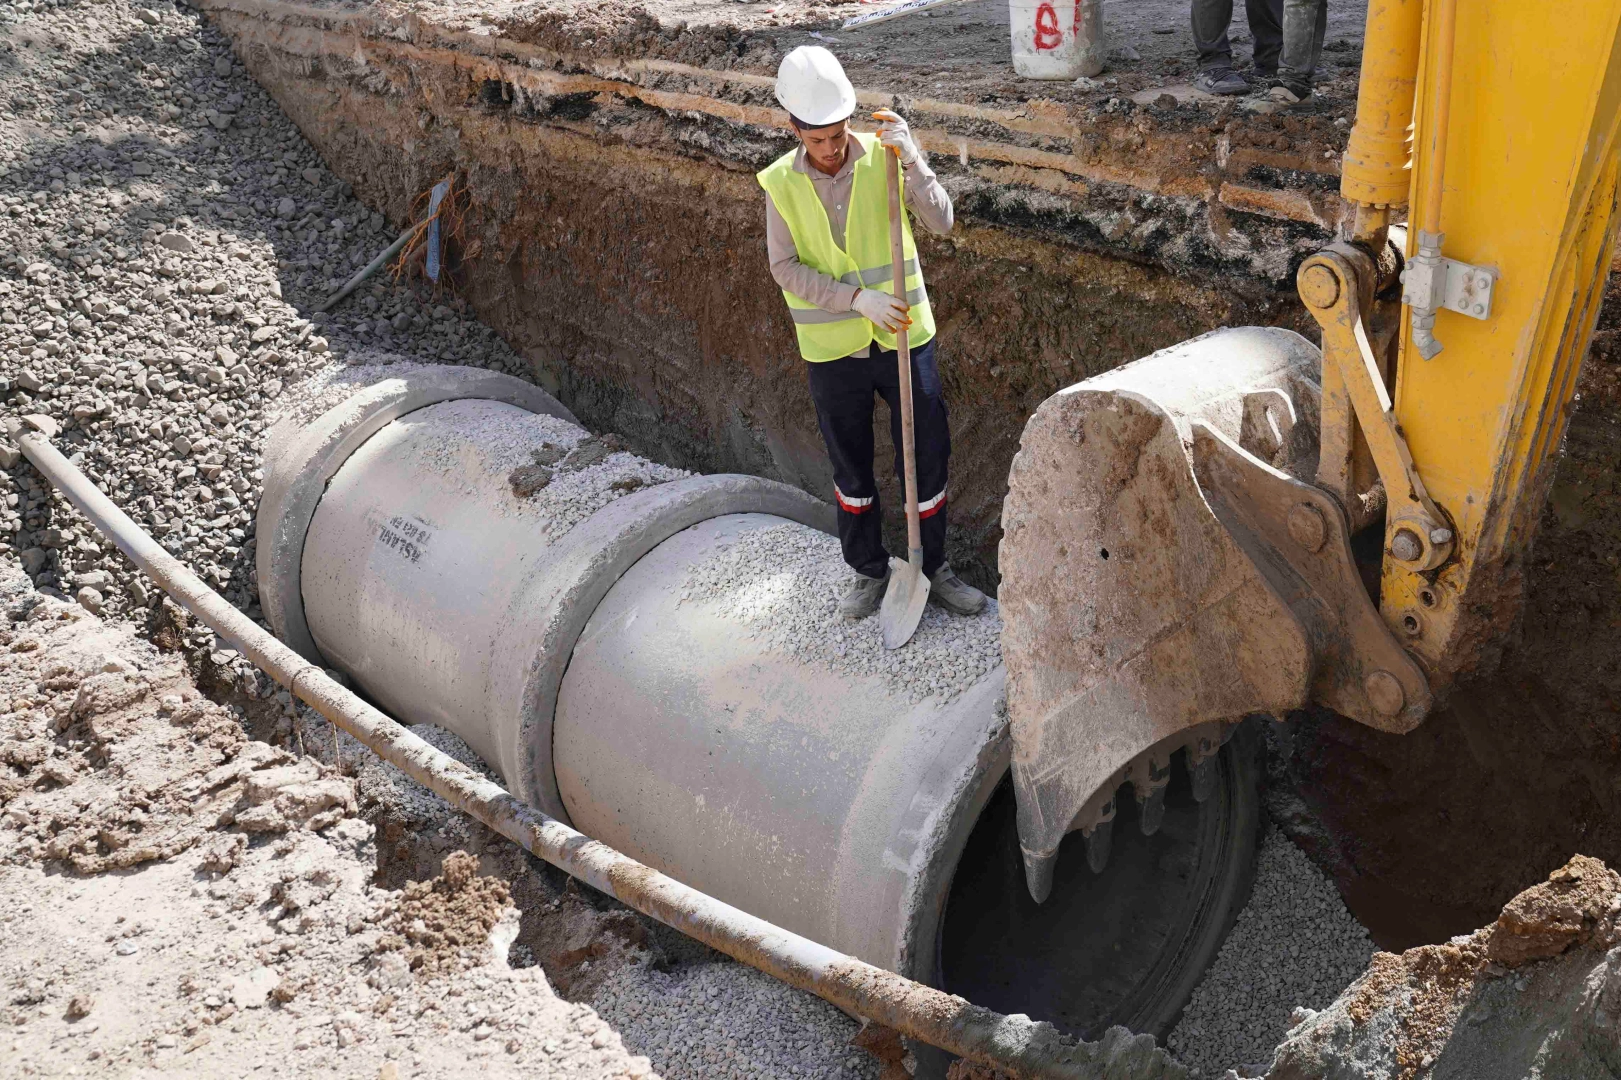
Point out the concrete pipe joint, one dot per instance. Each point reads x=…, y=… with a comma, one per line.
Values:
x=591, y=624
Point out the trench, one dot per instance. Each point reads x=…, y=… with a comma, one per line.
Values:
x=617, y=243
x=618, y=248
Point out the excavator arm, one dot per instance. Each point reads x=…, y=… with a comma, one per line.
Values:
x=1246, y=523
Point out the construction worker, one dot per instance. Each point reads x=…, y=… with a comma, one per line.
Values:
x=827, y=233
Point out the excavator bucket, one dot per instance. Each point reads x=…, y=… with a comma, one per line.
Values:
x=1166, y=571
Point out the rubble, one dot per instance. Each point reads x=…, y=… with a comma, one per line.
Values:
x=145, y=925
x=1535, y=994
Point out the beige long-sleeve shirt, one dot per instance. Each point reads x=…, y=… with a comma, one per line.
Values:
x=925, y=197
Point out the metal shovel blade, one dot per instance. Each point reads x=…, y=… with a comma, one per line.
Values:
x=904, y=598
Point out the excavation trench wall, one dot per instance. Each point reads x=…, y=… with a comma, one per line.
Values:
x=617, y=237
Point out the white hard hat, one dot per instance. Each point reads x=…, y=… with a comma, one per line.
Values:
x=812, y=86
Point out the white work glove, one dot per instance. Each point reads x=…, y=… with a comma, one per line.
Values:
x=896, y=134
x=882, y=309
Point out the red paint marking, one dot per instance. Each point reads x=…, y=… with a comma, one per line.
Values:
x=1048, y=36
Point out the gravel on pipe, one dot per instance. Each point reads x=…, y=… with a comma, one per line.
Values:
x=784, y=583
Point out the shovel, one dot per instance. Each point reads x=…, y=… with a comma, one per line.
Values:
x=908, y=589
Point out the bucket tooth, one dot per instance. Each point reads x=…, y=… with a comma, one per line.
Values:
x=1150, y=774
x=1204, y=778
x=1151, y=812
x=1039, y=868
x=1097, y=845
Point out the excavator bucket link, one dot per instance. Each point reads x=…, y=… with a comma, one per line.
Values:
x=1133, y=621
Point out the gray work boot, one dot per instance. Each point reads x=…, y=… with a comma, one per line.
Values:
x=865, y=594
x=954, y=594
x=1221, y=80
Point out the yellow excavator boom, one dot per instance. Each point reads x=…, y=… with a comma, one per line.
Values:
x=1247, y=524
x=1518, y=110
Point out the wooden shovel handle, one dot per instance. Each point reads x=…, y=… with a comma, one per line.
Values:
x=903, y=358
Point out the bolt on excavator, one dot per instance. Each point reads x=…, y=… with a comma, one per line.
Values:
x=1245, y=524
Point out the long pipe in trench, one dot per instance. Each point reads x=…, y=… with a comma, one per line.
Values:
x=1011, y=1043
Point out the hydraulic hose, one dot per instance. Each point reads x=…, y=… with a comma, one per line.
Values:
x=1014, y=1044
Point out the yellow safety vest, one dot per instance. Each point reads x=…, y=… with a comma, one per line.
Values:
x=863, y=261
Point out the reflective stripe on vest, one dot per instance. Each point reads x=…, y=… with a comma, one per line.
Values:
x=864, y=261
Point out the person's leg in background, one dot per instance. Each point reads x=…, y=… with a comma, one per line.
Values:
x=1305, y=22
x=843, y=392
x=1211, y=19
x=1266, y=19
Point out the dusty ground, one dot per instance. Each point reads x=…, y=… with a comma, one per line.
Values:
x=957, y=51
x=180, y=898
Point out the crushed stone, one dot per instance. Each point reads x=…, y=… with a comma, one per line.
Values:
x=385, y=785
x=757, y=1028
x=784, y=583
x=1294, y=946
x=592, y=472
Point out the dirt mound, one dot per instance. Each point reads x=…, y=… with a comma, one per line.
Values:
x=114, y=759
x=445, y=924
x=178, y=897
x=613, y=29
x=1535, y=994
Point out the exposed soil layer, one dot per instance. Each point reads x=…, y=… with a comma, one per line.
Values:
x=616, y=234
x=1429, y=834
x=1535, y=994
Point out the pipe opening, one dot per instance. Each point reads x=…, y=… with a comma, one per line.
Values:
x=1125, y=946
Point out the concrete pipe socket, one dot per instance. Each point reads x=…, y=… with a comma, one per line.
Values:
x=608, y=644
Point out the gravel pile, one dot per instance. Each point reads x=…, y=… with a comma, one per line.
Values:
x=784, y=585
x=755, y=1027
x=162, y=225
x=1294, y=946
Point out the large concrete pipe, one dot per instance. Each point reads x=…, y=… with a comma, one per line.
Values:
x=556, y=632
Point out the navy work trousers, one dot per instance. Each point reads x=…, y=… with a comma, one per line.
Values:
x=843, y=391
x=1211, y=19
